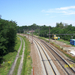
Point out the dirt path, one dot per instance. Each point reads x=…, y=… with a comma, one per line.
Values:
x=14, y=64
x=21, y=62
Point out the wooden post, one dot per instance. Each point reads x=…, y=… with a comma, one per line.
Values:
x=33, y=70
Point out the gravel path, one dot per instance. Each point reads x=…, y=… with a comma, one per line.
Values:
x=21, y=62
x=14, y=64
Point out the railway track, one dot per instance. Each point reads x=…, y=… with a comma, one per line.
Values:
x=61, y=61
x=50, y=68
x=69, y=70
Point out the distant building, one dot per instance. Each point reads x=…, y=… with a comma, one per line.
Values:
x=31, y=31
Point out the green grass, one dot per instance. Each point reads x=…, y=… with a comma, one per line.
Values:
x=18, y=61
x=10, y=57
x=27, y=59
x=17, y=66
x=67, y=42
x=21, y=49
x=43, y=38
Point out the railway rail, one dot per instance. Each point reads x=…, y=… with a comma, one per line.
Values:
x=61, y=60
x=68, y=71
x=50, y=68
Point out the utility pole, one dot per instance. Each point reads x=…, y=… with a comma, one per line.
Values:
x=39, y=31
x=49, y=34
x=32, y=36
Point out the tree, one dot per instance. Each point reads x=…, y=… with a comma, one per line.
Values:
x=61, y=25
x=7, y=36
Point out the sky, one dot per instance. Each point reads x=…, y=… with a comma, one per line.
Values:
x=40, y=12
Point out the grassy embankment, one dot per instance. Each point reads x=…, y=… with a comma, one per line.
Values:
x=9, y=59
x=61, y=49
x=18, y=61
x=27, y=59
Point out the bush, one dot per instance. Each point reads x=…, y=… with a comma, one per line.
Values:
x=7, y=36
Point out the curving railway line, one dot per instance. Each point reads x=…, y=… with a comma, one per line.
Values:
x=53, y=60
x=60, y=60
x=50, y=68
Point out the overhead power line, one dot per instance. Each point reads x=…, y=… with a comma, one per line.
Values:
x=61, y=34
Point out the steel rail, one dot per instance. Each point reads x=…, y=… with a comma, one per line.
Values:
x=61, y=58
x=47, y=58
x=42, y=59
x=56, y=73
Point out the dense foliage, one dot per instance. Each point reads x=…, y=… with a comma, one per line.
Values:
x=7, y=36
x=27, y=28
x=60, y=28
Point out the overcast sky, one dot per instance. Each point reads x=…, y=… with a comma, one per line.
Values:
x=41, y=12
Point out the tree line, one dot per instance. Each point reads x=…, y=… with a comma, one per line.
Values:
x=7, y=36
x=43, y=31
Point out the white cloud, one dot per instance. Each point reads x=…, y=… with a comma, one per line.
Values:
x=66, y=8
x=63, y=10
